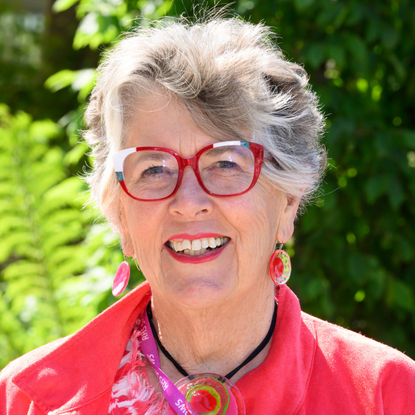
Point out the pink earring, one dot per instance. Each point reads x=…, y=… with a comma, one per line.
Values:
x=121, y=278
x=280, y=266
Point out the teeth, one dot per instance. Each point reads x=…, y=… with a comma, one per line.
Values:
x=186, y=244
x=197, y=246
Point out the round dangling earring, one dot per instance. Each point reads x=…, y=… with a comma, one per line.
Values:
x=121, y=278
x=280, y=266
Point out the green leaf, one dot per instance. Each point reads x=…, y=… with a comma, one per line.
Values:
x=375, y=187
x=314, y=54
x=336, y=52
x=82, y=78
x=17, y=269
x=398, y=66
x=396, y=194
x=356, y=46
x=329, y=14
x=401, y=295
x=42, y=131
x=61, y=5
x=77, y=153
x=65, y=191
x=409, y=138
x=390, y=37
x=88, y=31
x=60, y=80
x=15, y=239
x=303, y=4
x=373, y=30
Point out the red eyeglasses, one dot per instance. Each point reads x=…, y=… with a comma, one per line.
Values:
x=222, y=169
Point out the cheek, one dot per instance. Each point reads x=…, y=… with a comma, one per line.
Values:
x=256, y=223
x=143, y=223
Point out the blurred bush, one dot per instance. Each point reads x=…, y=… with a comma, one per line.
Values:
x=56, y=265
x=353, y=249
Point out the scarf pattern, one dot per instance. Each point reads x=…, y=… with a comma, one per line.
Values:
x=132, y=393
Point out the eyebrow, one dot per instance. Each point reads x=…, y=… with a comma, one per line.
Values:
x=231, y=149
x=151, y=155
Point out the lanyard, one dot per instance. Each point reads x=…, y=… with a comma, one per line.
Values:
x=171, y=393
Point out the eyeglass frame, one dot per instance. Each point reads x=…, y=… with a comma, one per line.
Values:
x=120, y=156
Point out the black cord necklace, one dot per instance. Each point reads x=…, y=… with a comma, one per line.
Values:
x=234, y=371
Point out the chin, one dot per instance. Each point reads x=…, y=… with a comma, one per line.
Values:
x=201, y=292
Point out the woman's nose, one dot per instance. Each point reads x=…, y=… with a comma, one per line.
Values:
x=190, y=199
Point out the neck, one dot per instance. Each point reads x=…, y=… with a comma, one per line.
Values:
x=215, y=339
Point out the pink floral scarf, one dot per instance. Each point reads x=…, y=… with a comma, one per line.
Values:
x=132, y=393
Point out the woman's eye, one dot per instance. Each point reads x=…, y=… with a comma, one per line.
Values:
x=153, y=170
x=225, y=164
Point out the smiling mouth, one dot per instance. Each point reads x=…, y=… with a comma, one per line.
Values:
x=196, y=246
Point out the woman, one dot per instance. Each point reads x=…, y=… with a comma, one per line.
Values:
x=214, y=139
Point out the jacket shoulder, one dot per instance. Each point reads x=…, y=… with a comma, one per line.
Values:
x=334, y=340
x=363, y=368
x=363, y=361
x=13, y=400
x=30, y=358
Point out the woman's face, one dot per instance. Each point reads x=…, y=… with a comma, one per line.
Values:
x=252, y=221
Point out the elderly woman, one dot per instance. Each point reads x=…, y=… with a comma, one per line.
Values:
x=206, y=143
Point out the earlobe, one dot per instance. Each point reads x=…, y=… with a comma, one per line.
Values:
x=126, y=243
x=127, y=247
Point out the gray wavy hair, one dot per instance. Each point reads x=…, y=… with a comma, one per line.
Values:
x=231, y=77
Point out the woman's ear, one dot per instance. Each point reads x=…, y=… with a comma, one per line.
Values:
x=286, y=224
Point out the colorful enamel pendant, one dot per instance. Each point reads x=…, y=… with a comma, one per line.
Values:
x=209, y=394
x=280, y=267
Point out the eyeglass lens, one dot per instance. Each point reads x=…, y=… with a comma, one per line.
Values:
x=225, y=170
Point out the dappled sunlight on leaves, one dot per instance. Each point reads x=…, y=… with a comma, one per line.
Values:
x=56, y=267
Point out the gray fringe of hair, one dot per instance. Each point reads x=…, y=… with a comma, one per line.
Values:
x=231, y=77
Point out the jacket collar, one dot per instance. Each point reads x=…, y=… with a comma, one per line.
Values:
x=82, y=367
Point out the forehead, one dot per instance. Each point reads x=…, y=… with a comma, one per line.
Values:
x=161, y=121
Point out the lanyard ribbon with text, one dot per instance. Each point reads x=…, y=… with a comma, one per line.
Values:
x=171, y=393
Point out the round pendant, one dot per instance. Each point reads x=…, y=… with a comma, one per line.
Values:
x=209, y=394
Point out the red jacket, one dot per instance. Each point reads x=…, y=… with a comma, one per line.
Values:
x=313, y=367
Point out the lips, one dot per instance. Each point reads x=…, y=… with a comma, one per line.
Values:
x=196, y=249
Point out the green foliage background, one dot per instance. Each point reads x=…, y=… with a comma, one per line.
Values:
x=353, y=250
